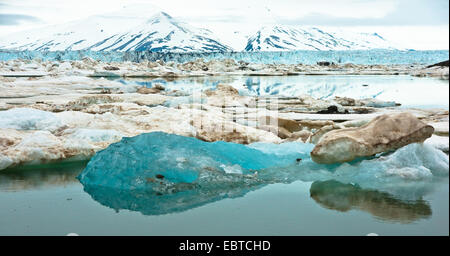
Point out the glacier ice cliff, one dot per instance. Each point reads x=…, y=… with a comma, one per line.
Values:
x=288, y=57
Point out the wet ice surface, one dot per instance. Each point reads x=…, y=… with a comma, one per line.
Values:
x=162, y=164
x=407, y=90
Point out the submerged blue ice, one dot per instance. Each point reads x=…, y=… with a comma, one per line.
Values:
x=158, y=173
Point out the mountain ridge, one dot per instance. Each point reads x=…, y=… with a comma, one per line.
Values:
x=163, y=33
x=291, y=38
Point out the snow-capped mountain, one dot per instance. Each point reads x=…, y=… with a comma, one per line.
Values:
x=289, y=38
x=79, y=34
x=120, y=31
x=144, y=27
x=162, y=33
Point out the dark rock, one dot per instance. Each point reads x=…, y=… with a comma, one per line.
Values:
x=325, y=63
x=332, y=110
x=159, y=87
x=110, y=68
x=362, y=110
x=243, y=63
x=440, y=64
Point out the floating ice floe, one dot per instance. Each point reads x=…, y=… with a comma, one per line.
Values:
x=158, y=173
x=95, y=135
x=167, y=163
x=439, y=142
x=159, y=160
x=5, y=162
x=29, y=119
x=382, y=134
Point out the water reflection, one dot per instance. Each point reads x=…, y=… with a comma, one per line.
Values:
x=151, y=203
x=430, y=92
x=329, y=194
x=40, y=176
x=345, y=197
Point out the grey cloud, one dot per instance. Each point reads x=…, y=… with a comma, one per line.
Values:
x=15, y=19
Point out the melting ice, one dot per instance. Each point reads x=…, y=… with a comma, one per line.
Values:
x=166, y=164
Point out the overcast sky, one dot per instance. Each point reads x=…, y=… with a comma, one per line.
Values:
x=419, y=24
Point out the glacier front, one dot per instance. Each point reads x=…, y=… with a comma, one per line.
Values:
x=367, y=57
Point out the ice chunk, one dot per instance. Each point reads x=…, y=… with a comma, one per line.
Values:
x=96, y=135
x=176, y=101
x=38, y=147
x=29, y=119
x=158, y=160
x=5, y=162
x=159, y=173
x=438, y=142
x=378, y=103
x=293, y=148
x=39, y=139
x=408, y=173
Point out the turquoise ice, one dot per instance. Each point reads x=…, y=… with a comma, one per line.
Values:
x=159, y=160
x=159, y=173
x=168, y=163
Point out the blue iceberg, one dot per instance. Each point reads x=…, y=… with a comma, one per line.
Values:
x=168, y=163
x=164, y=162
x=158, y=173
